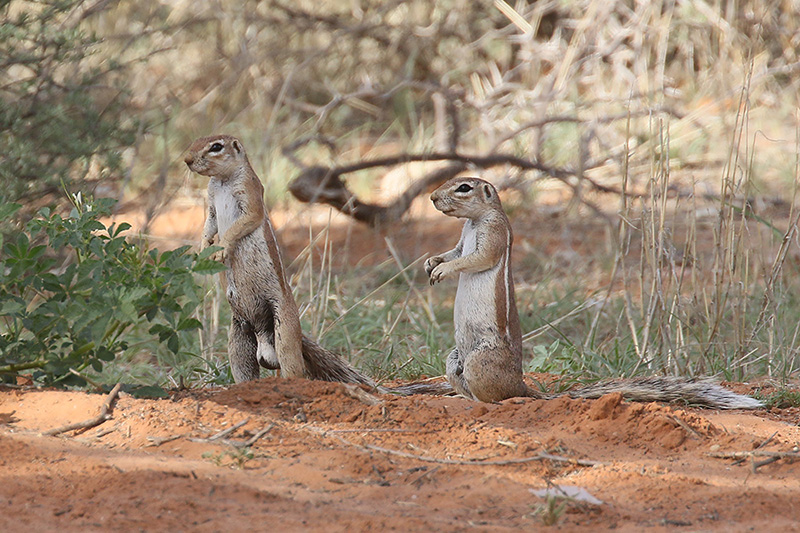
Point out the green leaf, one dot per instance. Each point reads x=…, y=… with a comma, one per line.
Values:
x=124, y=226
x=173, y=343
x=188, y=324
x=12, y=307
x=8, y=209
x=160, y=329
x=207, y=252
x=207, y=267
x=104, y=354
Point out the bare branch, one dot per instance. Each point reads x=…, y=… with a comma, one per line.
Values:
x=105, y=414
x=322, y=184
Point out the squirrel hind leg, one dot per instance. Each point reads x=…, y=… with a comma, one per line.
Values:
x=492, y=374
x=455, y=375
x=242, y=351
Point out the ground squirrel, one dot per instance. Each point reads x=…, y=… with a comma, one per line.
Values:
x=486, y=363
x=265, y=325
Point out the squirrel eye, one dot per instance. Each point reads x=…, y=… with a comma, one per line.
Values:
x=216, y=147
x=464, y=188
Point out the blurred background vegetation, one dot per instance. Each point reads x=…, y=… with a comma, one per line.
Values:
x=689, y=107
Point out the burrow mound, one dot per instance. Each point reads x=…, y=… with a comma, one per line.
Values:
x=609, y=419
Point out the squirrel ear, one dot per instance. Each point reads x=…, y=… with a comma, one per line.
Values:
x=237, y=146
x=487, y=191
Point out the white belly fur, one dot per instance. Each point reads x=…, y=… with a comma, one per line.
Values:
x=225, y=206
x=475, y=312
x=227, y=211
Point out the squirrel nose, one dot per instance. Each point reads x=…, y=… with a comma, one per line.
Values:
x=189, y=159
x=434, y=196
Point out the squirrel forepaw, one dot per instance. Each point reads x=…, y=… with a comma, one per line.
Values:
x=431, y=263
x=220, y=255
x=439, y=272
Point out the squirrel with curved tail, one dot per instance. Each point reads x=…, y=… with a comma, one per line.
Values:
x=486, y=364
x=265, y=324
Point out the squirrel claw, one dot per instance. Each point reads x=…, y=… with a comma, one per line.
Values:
x=439, y=273
x=430, y=264
x=219, y=256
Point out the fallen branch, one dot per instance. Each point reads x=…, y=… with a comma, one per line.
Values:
x=765, y=462
x=324, y=184
x=105, y=414
x=252, y=440
x=795, y=454
x=488, y=161
x=354, y=391
x=759, y=447
x=158, y=441
x=686, y=427
x=224, y=433
x=220, y=437
x=771, y=457
x=103, y=432
x=376, y=430
x=541, y=456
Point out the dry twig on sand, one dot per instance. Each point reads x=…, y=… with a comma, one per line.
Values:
x=541, y=456
x=770, y=457
x=105, y=414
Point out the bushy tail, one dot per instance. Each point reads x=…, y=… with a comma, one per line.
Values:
x=325, y=365
x=432, y=388
x=694, y=392
x=697, y=392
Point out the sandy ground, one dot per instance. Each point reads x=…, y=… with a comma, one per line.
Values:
x=333, y=460
x=329, y=459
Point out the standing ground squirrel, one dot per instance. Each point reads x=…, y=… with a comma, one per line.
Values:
x=265, y=325
x=486, y=364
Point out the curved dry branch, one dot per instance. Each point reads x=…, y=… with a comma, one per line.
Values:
x=324, y=184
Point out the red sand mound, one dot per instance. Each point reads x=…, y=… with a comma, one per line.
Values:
x=330, y=461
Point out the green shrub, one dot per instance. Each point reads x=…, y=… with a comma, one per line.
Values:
x=72, y=290
x=61, y=109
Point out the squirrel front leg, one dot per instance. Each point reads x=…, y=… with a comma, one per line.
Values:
x=244, y=226
x=488, y=252
x=432, y=262
x=209, y=228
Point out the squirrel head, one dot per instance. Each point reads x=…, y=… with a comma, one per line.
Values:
x=216, y=156
x=466, y=198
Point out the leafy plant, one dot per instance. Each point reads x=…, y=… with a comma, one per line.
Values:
x=71, y=289
x=238, y=457
x=61, y=115
x=551, y=511
x=780, y=399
